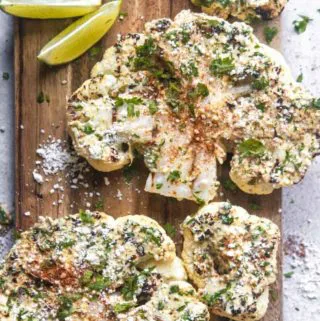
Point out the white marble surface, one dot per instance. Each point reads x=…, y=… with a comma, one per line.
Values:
x=301, y=203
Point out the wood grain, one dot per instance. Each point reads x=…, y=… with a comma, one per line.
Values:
x=32, y=77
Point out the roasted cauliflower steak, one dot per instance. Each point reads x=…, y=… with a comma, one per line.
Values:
x=184, y=94
x=230, y=256
x=91, y=267
x=246, y=10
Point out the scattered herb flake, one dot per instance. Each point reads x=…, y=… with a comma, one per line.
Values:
x=170, y=229
x=300, y=78
x=251, y=147
x=300, y=25
x=316, y=103
x=222, y=66
x=270, y=33
x=174, y=176
x=288, y=275
x=5, y=76
x=40, y=98
x=123, y=307
x=86, y=217
x=88, y=129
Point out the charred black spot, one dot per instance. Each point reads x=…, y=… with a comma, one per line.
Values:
x=265, y=14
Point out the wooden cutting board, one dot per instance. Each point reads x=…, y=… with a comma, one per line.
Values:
x=35, y=123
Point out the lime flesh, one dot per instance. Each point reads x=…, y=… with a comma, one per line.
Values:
x=80, y=35
x=40, y=9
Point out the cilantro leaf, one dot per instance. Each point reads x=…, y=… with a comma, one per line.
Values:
x=270, y=33
x=251, y=147
x=174, y=176
x=301, y=24
x=222, y=66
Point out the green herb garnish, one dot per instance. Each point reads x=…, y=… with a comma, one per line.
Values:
x=86, y=217
x=123, y=307
x=88, y=129
x=301, y=24
x=300, y=78
x=251, y=147
x=260, y=83
x=222, y=66
x=5, y=76
x=170, y=229
x=288, y=275
x=270, y=33
x=201, y=90
x=153, y=107
x=174, y=176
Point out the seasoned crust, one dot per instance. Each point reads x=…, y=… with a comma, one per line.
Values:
x=92, y=267
x=231, y=257
x=246, y=10
x=185, y=93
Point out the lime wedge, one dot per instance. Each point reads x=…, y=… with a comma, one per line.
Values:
x=80, y=35
x=49, y=9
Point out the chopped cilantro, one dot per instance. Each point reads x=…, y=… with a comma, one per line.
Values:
x=199, y=200
x=40, y=98
x=159, y=185
x=99, y=283
x=190, y=69
x=123, y=307
x=88, y=129
x=170, y=229
x=86, y=277
x=201, y=90
x=65, y=308
x=66, y=244
x=99, y=205
x=260, y=83
x=300, y=78
x=270, y=33
x=222, y=66
x=226, y=219
x=86, y=217
x=151, y=235
x=4, y=217
x=160, y=305
x=174, y=176
x=211, y=299
x=174, y=289
x=261, y=107
x=78, y=107
x=153, y=107
x=300, y=25
x=251, y=147
x=288, y=275
x=149, y=58
x=130, y=287
x=5, y=76
x=316, y=103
